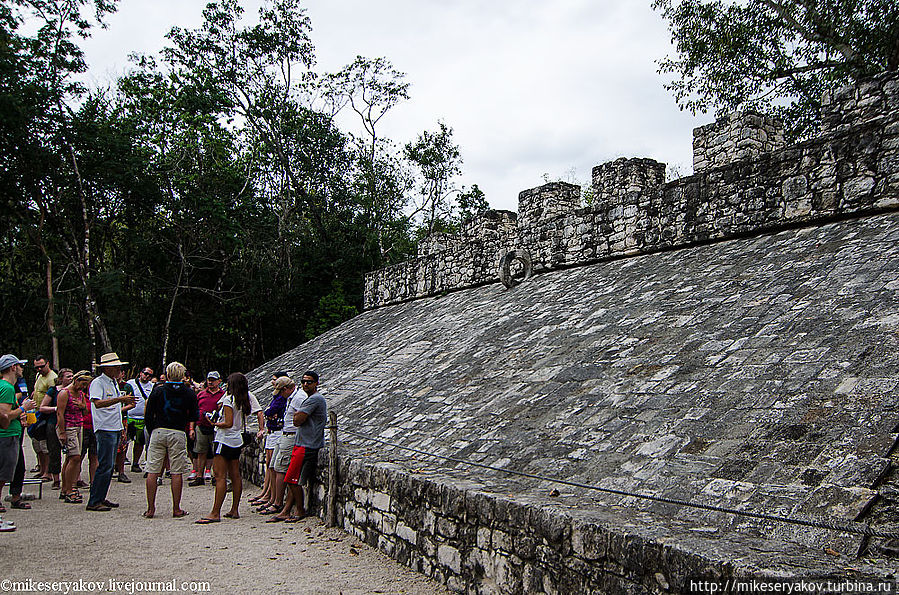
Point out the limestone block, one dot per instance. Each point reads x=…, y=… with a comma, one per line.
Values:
x=501, y=540
x=450, y=557
x=380, y=501
x=406, y=533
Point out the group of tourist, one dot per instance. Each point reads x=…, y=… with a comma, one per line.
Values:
x=182, y=427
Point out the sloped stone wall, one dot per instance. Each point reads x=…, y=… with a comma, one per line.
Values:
x=850, y=169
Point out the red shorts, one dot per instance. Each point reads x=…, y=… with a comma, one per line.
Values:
x=303, y=465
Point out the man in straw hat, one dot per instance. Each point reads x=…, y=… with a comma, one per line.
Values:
x=106, y=413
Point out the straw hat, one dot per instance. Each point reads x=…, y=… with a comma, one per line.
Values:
x=110, y=359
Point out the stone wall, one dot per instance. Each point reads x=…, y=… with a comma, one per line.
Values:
x=745, y=135
x=479, y=542
x=850, y=169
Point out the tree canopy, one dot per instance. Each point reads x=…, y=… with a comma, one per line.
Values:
x=776, y=56
x=206, y=207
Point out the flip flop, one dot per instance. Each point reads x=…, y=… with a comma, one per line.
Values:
x=20, y=504
x=228, y=515
x=276, y=519
x=146, y=515
x=206, y=521
x=294, y=519
x=179, y=514
x=269, y=510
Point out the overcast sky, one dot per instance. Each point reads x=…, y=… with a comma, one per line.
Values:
x=531, y=88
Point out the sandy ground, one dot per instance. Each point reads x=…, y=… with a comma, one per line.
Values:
x=124, y=552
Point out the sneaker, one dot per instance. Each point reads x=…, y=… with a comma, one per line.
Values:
x=159, y=481
x=123, y=478
x=191, y=476
x=7, y=526
x=207, y=475
x=197, y=481
x=135, y=468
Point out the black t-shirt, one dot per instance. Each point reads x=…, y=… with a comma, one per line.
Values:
x=170, y=405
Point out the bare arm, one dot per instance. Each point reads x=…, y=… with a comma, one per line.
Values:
x=228, y=418
x=299, y=418
x=45, y=405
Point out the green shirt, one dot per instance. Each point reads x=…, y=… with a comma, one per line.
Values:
x=8, y=395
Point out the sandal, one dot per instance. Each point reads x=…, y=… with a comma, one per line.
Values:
x=72, y=499
x=269, y=509
x=206, y=521
x=20, y=504
x=180, y=513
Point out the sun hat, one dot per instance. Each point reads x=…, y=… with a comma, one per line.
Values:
x=110, y=359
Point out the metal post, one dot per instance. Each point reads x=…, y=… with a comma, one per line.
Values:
x=332, y=471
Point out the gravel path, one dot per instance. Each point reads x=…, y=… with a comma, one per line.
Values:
x=56, y=541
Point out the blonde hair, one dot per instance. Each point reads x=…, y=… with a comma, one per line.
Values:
x=175, y=372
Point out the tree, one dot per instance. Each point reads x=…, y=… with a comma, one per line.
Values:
x=371, y=88
x=776, y=56
x=50, y=167
x=438, y=160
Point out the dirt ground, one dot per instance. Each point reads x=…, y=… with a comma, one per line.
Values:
x=120, y=551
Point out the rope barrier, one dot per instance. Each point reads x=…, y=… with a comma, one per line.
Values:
x=857, y=528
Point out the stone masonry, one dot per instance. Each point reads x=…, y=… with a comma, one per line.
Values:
x=754, y=368
x=850, y=169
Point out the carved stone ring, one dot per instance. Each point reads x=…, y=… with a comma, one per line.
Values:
x=505, y=267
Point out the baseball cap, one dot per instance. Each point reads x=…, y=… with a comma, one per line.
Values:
x=214, y=375
x=9, y=360
x=282, y=383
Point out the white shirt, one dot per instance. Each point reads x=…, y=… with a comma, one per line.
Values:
x=137, y=412
x=294, y=401
x=105, y=418
x=231, y=436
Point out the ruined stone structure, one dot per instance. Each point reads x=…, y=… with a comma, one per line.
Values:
x=728, y=340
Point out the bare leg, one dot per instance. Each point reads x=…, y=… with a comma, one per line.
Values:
x=236, y=487
x=296, y=494
x=278, y=496
x=220, y=469
x=151, y=494
x=177, y=484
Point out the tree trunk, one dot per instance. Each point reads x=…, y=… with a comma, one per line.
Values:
x=51, y=315
x=168, y=318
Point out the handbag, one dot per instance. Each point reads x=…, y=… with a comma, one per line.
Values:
x=248, y=437
x=38, y=430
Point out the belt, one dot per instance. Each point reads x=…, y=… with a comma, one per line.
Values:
x=288, y=433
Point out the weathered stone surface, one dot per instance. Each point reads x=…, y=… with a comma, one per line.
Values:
x=757, y=373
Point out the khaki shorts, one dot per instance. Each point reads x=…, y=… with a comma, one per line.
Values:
x=164, y=441
x=281, y=457
x=203, y=442
x=74, y=441
x=40, y=446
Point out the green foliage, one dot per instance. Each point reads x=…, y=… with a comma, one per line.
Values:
x=332, y=309
x=207, y=208
x=775, y=56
